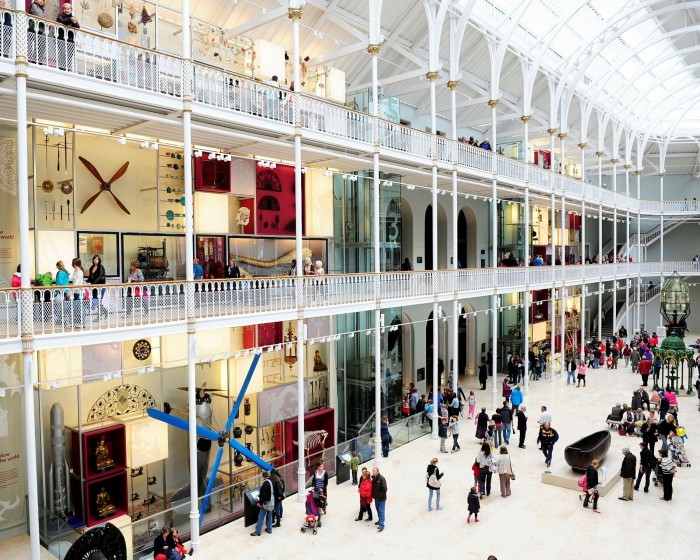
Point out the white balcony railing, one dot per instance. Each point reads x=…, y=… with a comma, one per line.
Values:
x=86, y=54
x=60, y=310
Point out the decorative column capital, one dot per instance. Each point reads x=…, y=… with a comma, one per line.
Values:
x=492, y=103
x=452, y=84
x=582, y=145
x=561, y=135
x=295, y=13
x=637, y=171
x=432, y=76
x=662, y=173
x=614, y=161
x=627, y=166
x=551, y=131
x=599, y=153
x=526, y=118
x=373, y=49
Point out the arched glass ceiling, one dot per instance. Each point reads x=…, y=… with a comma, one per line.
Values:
x=638, y=59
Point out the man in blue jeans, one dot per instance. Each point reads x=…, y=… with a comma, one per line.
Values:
x=265, y=498
x=379, y=495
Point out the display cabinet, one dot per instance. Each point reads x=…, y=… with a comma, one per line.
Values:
x=212, y=175
x=153, y=262
x=171, y=189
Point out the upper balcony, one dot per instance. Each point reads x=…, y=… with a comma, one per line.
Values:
x=61, y=315
x=101, y=68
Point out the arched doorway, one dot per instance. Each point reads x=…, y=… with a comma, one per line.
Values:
x=430, y=347
x=406, y=231
x=442, y=238
x=467, y=343
x=466, y=238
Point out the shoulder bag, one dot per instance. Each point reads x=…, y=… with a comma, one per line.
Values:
x=433, y=481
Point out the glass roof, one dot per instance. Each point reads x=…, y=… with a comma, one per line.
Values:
x=630, y=63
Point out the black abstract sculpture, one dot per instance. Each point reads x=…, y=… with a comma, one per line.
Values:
x=581, y=453
x=100, y=543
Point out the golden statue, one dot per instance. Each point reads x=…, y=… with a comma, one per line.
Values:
x=105, y=507
x=102, y=459
x=318, y=364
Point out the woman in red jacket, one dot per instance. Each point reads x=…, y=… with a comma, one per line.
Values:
x=365, y=490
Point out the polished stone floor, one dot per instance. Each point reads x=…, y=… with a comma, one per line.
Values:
x=536, y=521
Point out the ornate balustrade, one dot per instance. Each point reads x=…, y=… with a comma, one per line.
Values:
x=63, y=310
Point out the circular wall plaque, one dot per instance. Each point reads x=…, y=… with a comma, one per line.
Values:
x=142, y=349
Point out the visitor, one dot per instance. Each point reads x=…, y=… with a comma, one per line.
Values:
x=665, y=426
x=454, y=428
x=365, y=491
x=547, y=437
x=320, y=481
x=506, y=387
x=570, y=371
x=505, y=472
x=627, y=473
x=160, y=544
x=483, y=374
x=16, y=281
x=516, y=399
x=473, y=505
x=379, y=491
x=406, y=266
x=232, y=270
x=643, y=367
x=481, y=421
x=279, y=492
x=433, y=483
x=77, y=279
x=592, y=485
x=471, y=400
x=668, y=470
x=197, y=269
x=646, y=465
x=507, y=419
x=626, y=353
x=136, y=276
x=522, y=425
x=485, y=144
x=545, y=416
x=265, y=506
x=484, y=459
x=442, y=434
x=497, y=420
x=385, y=436
x=96, y=276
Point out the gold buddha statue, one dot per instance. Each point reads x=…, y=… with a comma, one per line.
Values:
x=105, y=507
x=318, y=363
x=102, y=459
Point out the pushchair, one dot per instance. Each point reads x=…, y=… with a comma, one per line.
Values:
x=315, y=502
x=676, y=450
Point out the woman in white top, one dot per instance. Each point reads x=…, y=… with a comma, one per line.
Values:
x=505, y=471
x=78, y=279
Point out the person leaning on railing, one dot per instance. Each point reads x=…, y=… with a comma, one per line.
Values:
x=5, y=31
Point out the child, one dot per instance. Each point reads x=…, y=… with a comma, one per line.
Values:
x=354, y=463
x=477, y=472
x=490, y=436
x=473, y=505
x=609, y=362
x=472, y=404
x=178, y=545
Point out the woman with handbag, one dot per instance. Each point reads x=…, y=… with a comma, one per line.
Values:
x=433, y=483
x=505, y=472
x=96, y=275
x=484, y=458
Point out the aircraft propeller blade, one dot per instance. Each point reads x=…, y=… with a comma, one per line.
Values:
x=210, y=485
x=119, y=173
x=250, y=455
x=119, y=202
x=92, y=169
x=91, y=200
x=181, y=423
x=241, y=393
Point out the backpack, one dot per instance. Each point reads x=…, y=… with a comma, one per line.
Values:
x=583, y=483
x=47, y=279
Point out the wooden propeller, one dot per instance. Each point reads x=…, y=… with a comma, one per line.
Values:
x=104, y=185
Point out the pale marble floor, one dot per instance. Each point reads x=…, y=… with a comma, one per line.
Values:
x=537, y=521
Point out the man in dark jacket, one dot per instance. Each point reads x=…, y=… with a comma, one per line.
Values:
x=379, y=489
x=591, y=485
x=266, y=504
x=522, y=425
x=507, y=419
x=646, y=465
x=627, y=472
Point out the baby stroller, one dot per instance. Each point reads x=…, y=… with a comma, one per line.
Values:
x=676, y=450
x=314, y=501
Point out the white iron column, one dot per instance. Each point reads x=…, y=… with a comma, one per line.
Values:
x=295, y=14
x=552, y=291
x=564, y=291
x=526, y=303
x=638, y=173
x=582, y=307
x=452, y=85
x=494, y=253
x=614, y=251
x=189, y=273
x=432, y=76
x=600, y=283
x=26, y=305
x=661, y=238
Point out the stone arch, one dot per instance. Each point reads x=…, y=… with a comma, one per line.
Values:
x=466, y=237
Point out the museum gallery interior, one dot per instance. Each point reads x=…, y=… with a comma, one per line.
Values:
x=299, y=209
